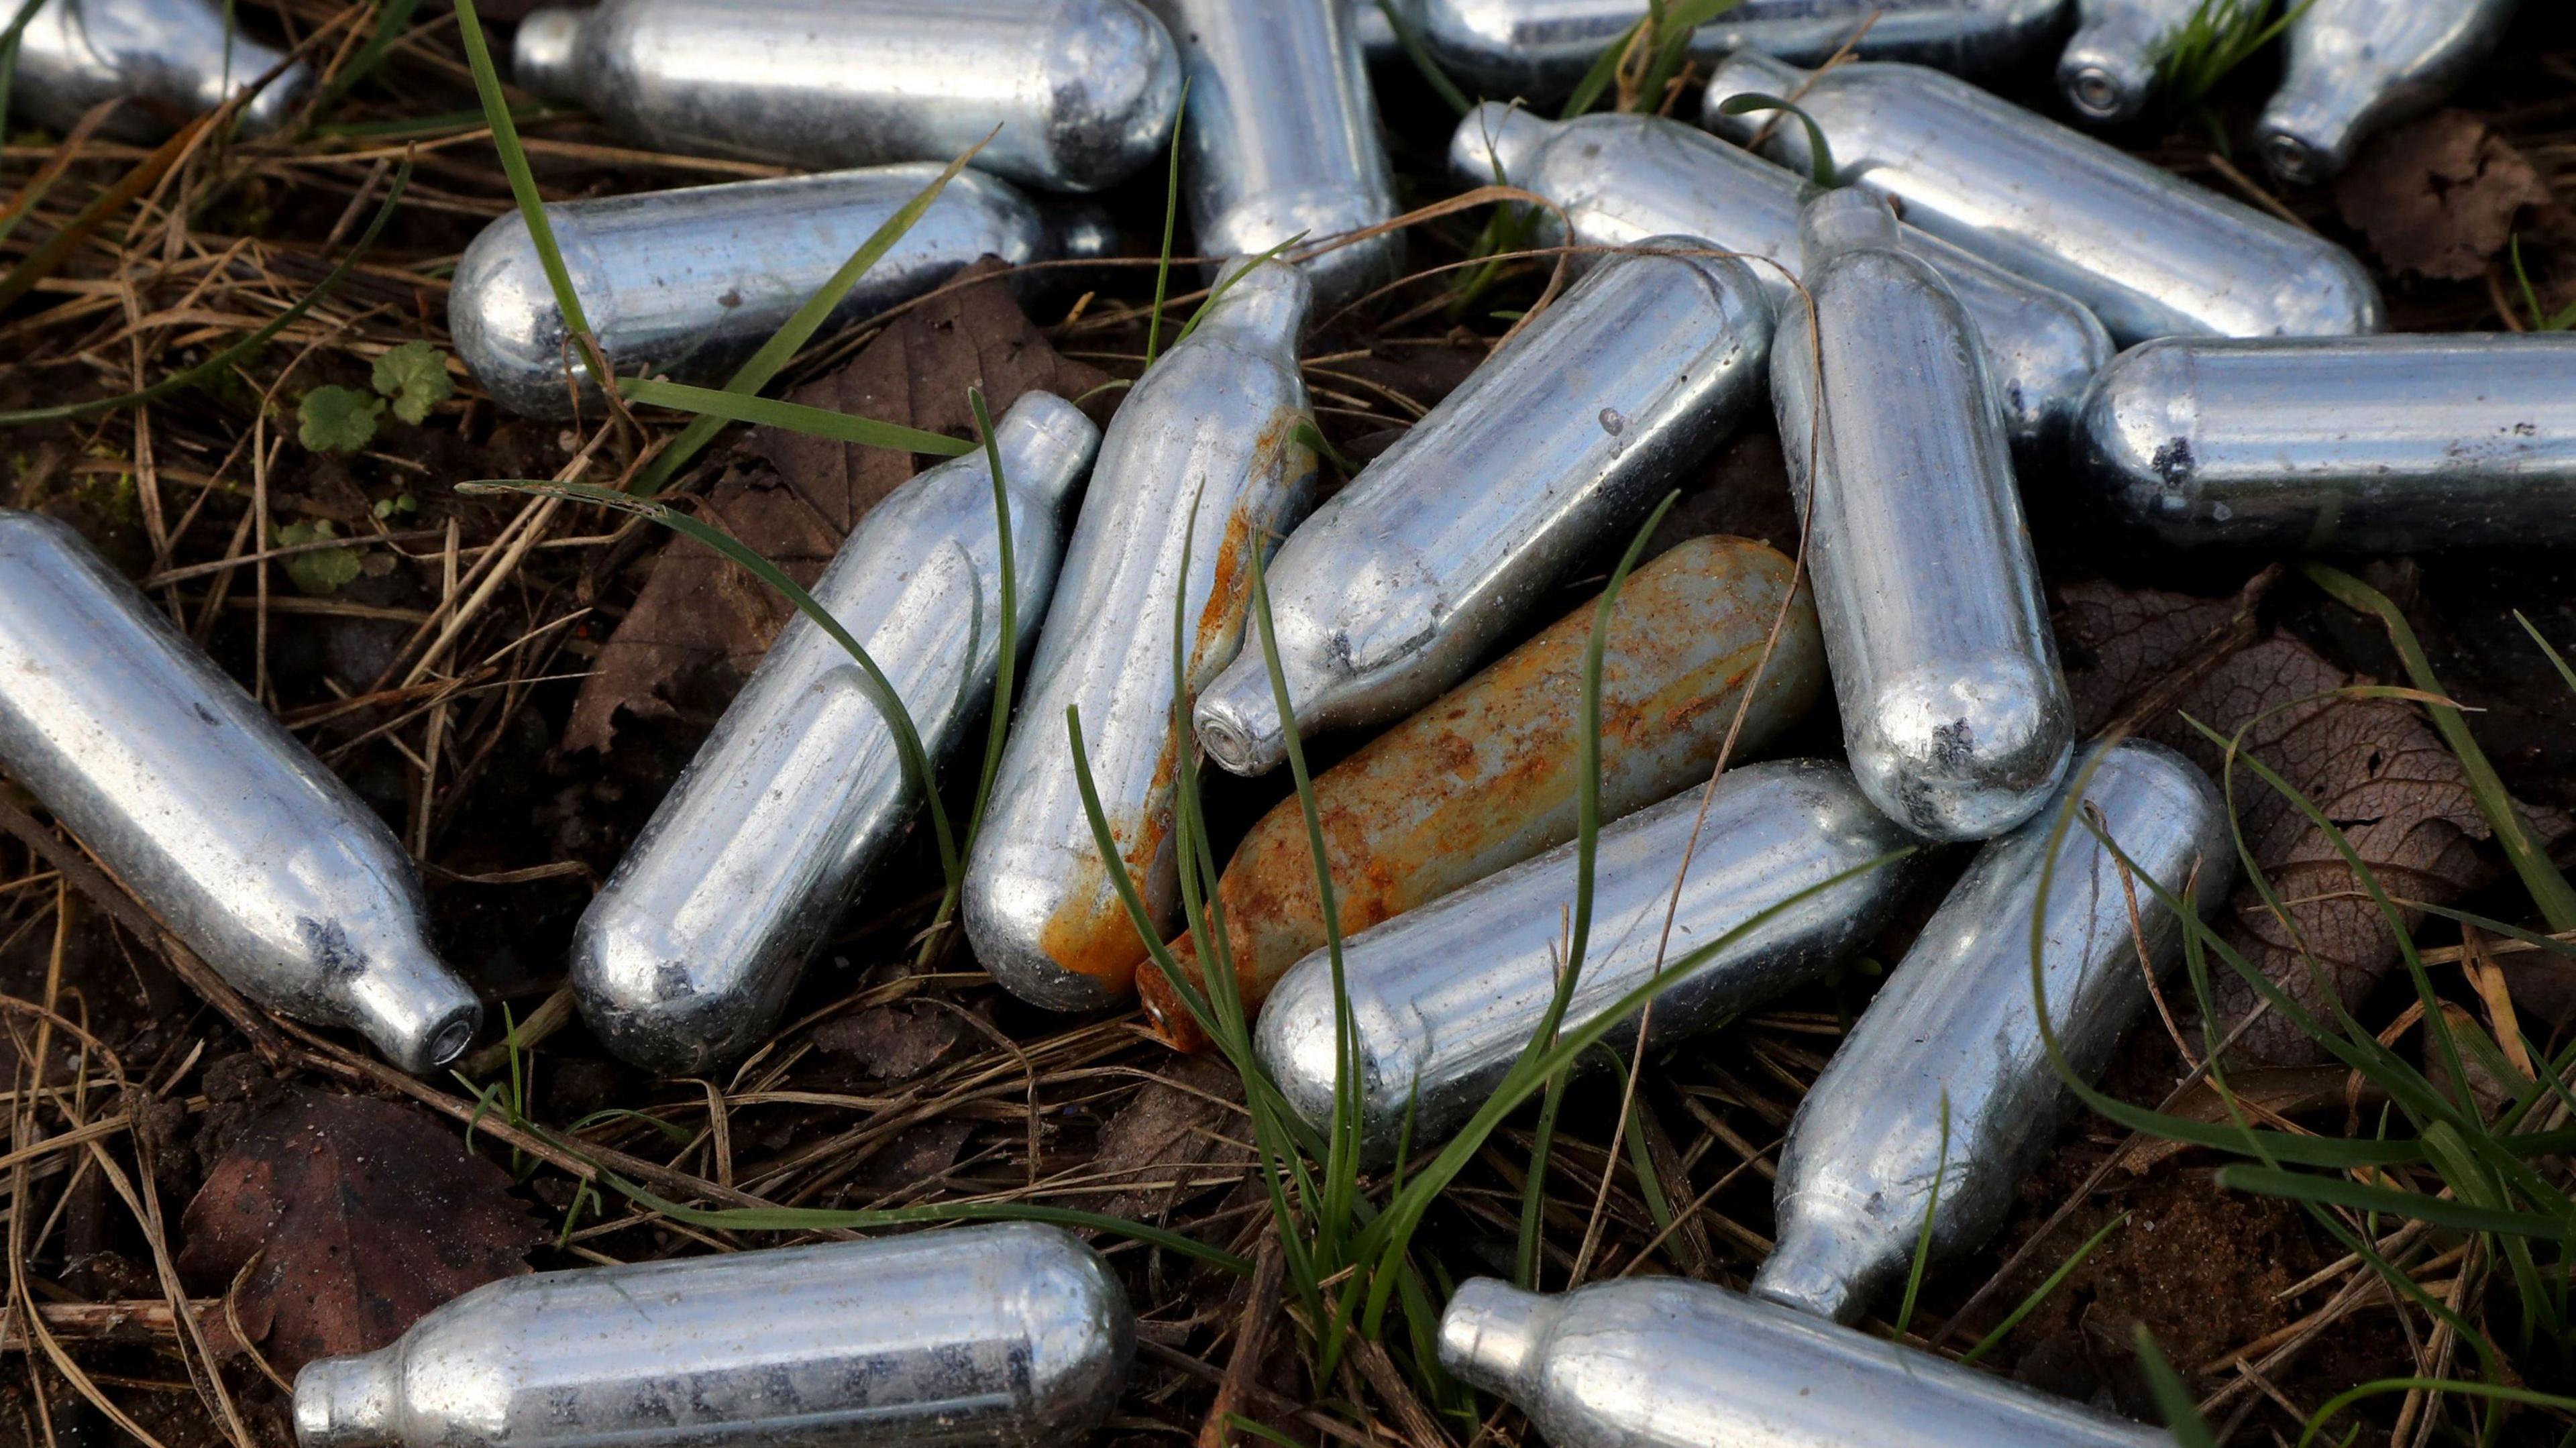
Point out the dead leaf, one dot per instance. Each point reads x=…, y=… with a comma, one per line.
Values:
x=892, y=1043
x=701, y=624
x=2378, y=771
x=2117, y=642
x=365, y=1215
x=917, y=1154
x=2439, y=197
x=1179, y=1130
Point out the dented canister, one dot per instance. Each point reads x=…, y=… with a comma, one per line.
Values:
x=685, y=959
x=2111, y=67
x=687, y=284
x=1622, y=178
x=1444, y=998
x=1558, y=444
x=1282, y=140
x=1084, y=91
x=2152, y=254
x=1012, y=1335
x=1203, y=464
x=2372, y=444
x=1663, y=1362
x=1485, y=776
x=226, y=827
x=2358, y=66
x=170, y=57
x=1540, y=49
x=1957, y=1026
x=1954, y=713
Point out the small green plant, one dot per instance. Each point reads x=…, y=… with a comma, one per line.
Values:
x=323, y=571
x=2542, y=320
x=337, y=419
x=2219, y=36
x=413, y=377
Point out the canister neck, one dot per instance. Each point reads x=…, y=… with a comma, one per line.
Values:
x=1264, y=306
x=349, y=1402
x=1843, y=220
x=1827, y=1261
x=1492, y=1332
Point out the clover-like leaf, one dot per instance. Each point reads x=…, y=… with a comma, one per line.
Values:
x=415, y=376
x=321, y=572
x=337, y=419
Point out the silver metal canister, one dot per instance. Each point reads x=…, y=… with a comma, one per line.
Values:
x=1084, y=91
x=1623, y=178
x=2375, y=444
x=1446, y=996
x=172, y=54
x=1282, y=140
x=1540, y=49
x=255, y=856
x=1557, y=444
x=2152, y=254
x=2108, y=70
x=1957, y=1022
x=1012, y=1335
x=685, y=960
x=1203, y=460
x=2358, y=66
x=687, y=284
x=1661, y=1362
x=1954, y=713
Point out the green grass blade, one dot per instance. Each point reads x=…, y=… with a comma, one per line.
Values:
x=215, y=365
x=2555, y=658
x=523, y=184
x=1820, y=156
x=1675, y=26
x=2337, y=1191
x=1226, y=284
x=1605, y=69
x=2549, y=889
x=1171, y=216
x=791, y=337
x=792, y=416
x=1438, y=79
x=880, y=690
x=1005, y=677
x=2041, y=1293
x=2173, y=1398
x=1525, y=1258
x=1923, y=1239
x=9, y=40
x=391, y=17
x=2497, y=1392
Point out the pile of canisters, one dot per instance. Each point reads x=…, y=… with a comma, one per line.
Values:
x=1946, y=317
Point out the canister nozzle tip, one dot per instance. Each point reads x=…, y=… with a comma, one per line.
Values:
x=416, y=1011
x=1237, y=723
x=1491, y=1332
x=2304, y=139
x=542, y=58
x=347, y=1402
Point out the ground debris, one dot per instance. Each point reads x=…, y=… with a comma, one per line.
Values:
x=362, y=1214
x=2438, y=198
x=701, y=624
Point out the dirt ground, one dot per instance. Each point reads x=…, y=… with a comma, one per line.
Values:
x=514, y=684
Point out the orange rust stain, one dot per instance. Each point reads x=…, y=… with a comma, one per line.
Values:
x=1463, y=787
x=1090, y=934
